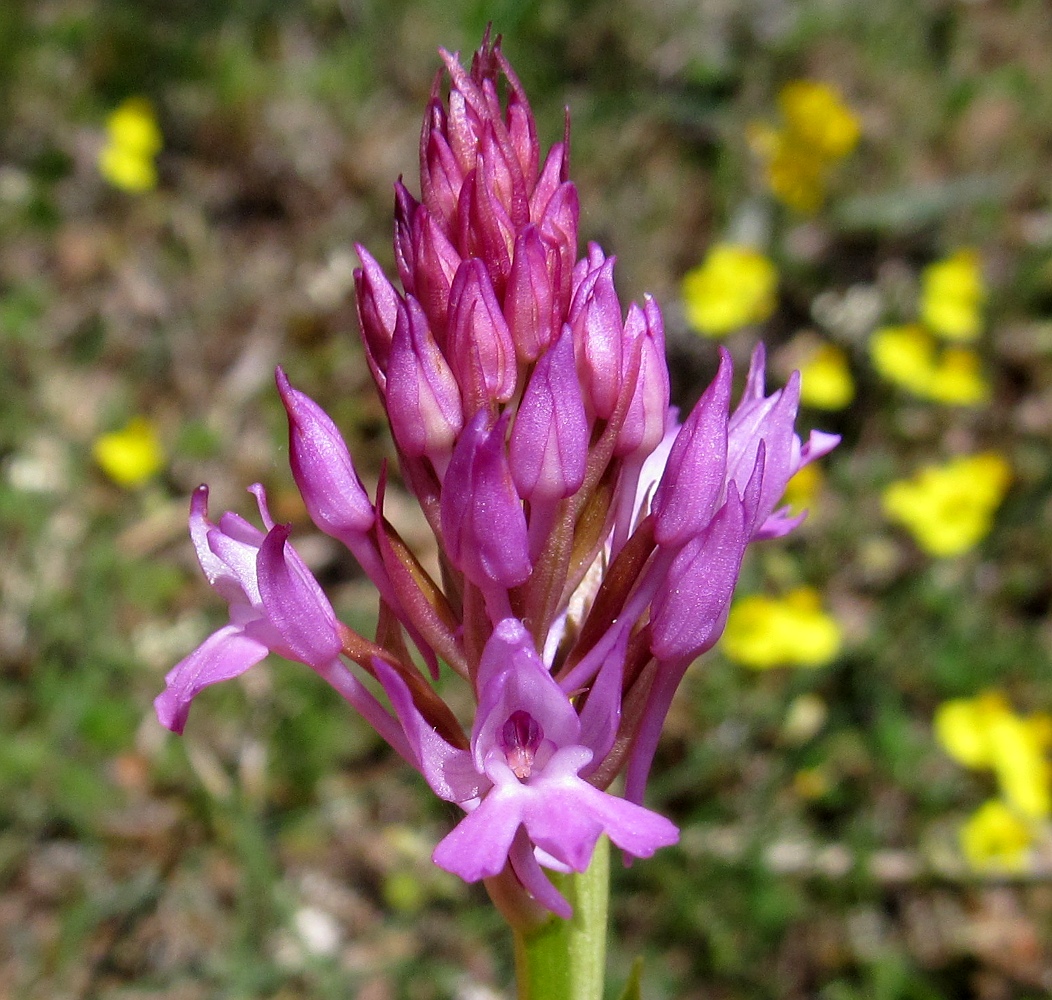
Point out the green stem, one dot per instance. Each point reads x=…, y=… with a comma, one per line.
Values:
x=566, y=959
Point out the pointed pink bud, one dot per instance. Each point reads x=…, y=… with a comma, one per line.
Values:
x=552, y=175
x=529, y=297
x=441, y=179
x=378, y=307
x=485, y=229
x=479, y=345
x=322, y=467
x=644, y=425
x=690, y=609
x=437, y=261
x=549, y=442
x=463, y=123
x=522, y=128
x=405, y=254
x=423, y=399
x=558, y=226
x=768, y=420
x=598, y=338
x=500, y=169
x=695, y=473
x=483, y=523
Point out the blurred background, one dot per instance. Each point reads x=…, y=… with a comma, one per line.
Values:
x=861, y=771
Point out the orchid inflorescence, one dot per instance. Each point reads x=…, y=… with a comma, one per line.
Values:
x=589, y=543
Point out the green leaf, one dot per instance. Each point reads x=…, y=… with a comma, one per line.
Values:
x=635, y=980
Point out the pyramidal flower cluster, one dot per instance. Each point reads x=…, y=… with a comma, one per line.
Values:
x=589, y=542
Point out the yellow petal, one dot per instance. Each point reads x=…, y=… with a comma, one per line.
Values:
x=996, y=838
x=732, y=288
x=132, y=455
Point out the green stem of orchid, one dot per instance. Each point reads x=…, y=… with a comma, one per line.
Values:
x=565, y=959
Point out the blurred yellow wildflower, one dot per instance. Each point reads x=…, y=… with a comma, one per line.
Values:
x=952, y=296
x=909, y=356
x=903, y=355
x=816, y=114
x=732, y=287
x=948, y=508
x=825, y=379
x=957, y=379
x=793, y=630
x=133, y=140
x=995, y=837
x=132, y=455
x=984, y=733
x=818, y=130
x=803, y=488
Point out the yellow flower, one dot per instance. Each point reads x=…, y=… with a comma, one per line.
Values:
x=733, y=287
x=984, y=733
x=790, y=631
x=948, y=508
x=803, y=488
x=825, y=379
x=957, y=379
x=816, y=115
x=996, y=838
x=952, y=296
x=909, y=356
x=132, y=455
x=819, y=129
x=903, y=355
x=133, y=141
x=795, y=174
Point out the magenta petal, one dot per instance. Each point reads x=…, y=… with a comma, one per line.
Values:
x=601, y=714
x=322, y=467
x=477, y=847
x=695, y=473
x=423, y=398
x=523, y=858
x=548, y=451
x=449, y=771
x=570, y=817
x=211, y=564
x=483, y=523
x=295, y=604
x=690, y=610
x=223, y=655
x=512, y=677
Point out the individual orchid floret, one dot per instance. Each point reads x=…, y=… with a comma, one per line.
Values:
x=549, y=442
x=483, y=523
x=322, y=467
x=422, y=392
x=479, y=343
x=378, y=308
x=595, y=316
x=695, y=475
x=529, y=300
x=276, y=605
x=526, y=754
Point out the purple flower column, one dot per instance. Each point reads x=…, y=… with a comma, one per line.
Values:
x=588, y=542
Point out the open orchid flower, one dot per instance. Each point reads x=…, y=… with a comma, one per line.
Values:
x=521, y=773
x=589, y=540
